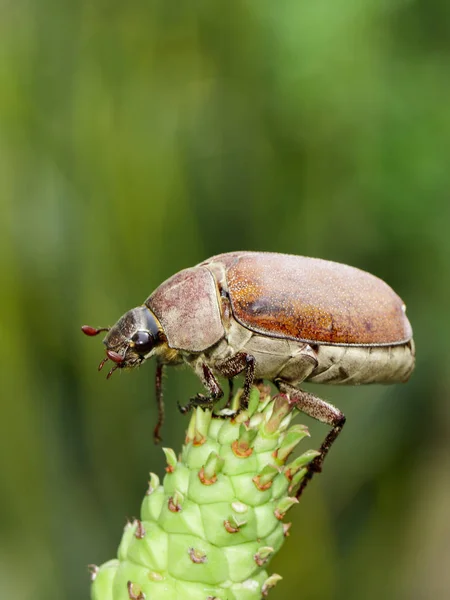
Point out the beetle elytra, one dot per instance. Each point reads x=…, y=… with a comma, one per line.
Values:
x=283, y=318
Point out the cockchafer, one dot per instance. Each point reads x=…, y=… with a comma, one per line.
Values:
x=278, y=317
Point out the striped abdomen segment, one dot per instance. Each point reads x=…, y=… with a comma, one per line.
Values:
x=363, y=364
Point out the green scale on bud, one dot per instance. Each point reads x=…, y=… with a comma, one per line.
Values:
x=212, y=527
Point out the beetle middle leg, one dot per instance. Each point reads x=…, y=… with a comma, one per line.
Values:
x=321, y=411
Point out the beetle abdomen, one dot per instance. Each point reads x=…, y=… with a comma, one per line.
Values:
x=313, y=300
x=353, y=365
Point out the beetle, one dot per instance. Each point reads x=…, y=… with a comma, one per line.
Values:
x=278, y=317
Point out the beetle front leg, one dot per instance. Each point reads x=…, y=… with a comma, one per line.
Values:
x=321, y=411
x=159, y=402
x=211, y=384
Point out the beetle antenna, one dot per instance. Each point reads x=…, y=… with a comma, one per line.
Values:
x=91, y=331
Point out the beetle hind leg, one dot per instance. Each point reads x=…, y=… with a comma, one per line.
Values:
x=321, y=411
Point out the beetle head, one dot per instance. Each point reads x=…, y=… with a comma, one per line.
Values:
x=134, y=338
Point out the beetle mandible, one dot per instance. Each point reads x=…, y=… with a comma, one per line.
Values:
x=279, y=317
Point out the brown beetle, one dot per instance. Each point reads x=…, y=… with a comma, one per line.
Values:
x=278, y=317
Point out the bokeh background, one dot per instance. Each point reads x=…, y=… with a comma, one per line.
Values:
x=138, y=138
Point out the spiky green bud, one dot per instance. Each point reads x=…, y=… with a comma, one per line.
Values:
x=212, y=527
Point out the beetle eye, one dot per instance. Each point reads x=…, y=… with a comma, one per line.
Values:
x=143, y=341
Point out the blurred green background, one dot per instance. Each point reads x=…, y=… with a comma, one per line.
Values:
x=138, y=138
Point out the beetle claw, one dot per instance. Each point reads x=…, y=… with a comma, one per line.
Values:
x=226, y=413
x=184, y=409
x=204, y=402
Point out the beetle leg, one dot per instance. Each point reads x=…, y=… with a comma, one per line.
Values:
x=159, y=402
x=211, y=384
x=234, y=366
x=322, y=411
x=198, y=400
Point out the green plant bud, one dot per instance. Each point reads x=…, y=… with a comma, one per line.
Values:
x=211, y=528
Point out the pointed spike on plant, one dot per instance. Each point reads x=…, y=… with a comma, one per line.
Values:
x=135, y=592
x=292, y=438
x=202, y=422
x=233, y=524
x=208, y=473
x=264, y=401
x=301, y=461
x=265, y=392
x=256, y=420
x=283, y=506
x=197, y=556
x=263, y=555
x=175, y=503
x=171, y=459
x=265, y=396
x=253, y=402
x=281, y=408
x=190, y=432
x=264, y=479
x=235, y=404
x=270, y=583
x=286, y=528
x=93, y=572
x=287, y=420
x=241, y=417
x=153, y=484
x=297, y=480
x=140, y=531
x=242, y=447
x=129, y=525
x=127, y=537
